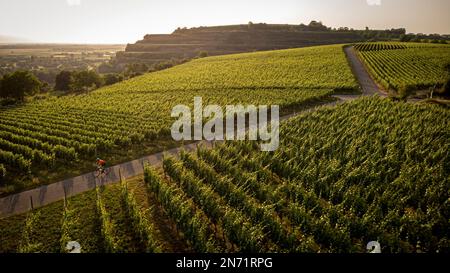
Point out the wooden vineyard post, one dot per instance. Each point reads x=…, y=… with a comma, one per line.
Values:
x=143, y=165
x=31, y=203
x=65, y=196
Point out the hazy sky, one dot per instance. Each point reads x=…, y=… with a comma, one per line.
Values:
x=123, y=21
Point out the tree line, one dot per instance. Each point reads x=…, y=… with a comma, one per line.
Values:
x=15, y=86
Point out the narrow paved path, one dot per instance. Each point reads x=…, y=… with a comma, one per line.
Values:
x=21, y=202
x=367, y=84
x=44, y=195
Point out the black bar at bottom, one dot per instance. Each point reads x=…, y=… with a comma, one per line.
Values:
x=226, y=262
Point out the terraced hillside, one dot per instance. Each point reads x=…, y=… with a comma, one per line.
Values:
x=365, y=170
x=407, y=66
x=43, y=139
x=221, y=40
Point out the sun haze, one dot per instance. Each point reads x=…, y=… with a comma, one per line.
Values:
x=118, y=21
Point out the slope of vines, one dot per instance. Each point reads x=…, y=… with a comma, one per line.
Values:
x=65, y=130
x=406, y=66
x=379, y=46
x=369, y=170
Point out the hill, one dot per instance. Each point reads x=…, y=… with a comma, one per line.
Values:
x=188, y=43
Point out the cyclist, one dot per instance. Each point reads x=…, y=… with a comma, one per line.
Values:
x=101, y=164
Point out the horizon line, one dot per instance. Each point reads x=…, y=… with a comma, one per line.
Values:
x=23, y=41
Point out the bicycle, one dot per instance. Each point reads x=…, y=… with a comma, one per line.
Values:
x=102, y=172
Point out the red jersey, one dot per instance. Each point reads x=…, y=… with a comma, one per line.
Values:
x=101, y=162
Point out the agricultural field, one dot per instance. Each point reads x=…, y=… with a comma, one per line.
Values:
x=35, y=57
x=408, y=66
x=47, y=60
x=45, y=140
x=370, y=169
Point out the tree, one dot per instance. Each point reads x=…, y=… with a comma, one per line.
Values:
x=135, y=69
x=63, y=81
x=416, y=39
x=19, y=84
x=405, y=38
x=317, y=26
x=161, y=66
x=86, y=80
x=112, y=78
